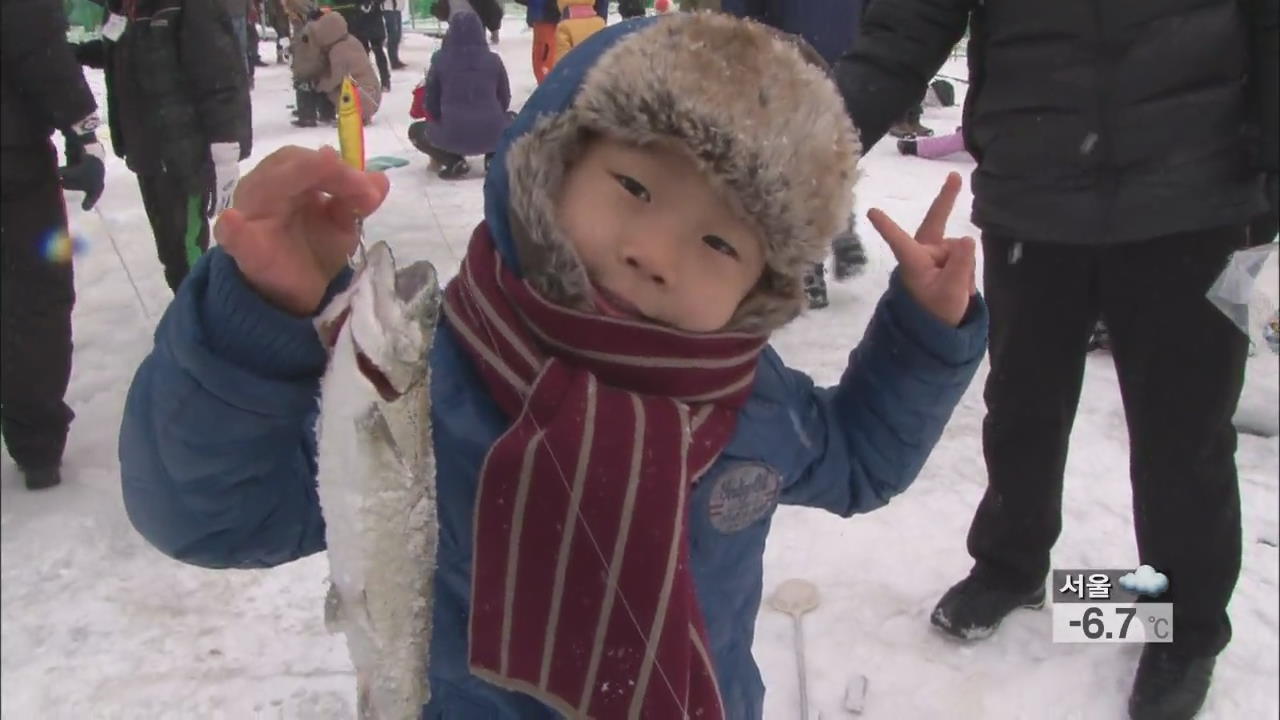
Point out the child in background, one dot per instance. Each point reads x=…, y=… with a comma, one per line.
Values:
x=644, y=234
x=464, y=100
x=324, y=54
x=579, y=21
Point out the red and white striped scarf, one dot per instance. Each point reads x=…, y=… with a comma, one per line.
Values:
x=581, y=592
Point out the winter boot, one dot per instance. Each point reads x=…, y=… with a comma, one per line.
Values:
x=815, y=287
x=972, y=609
x=1169, y=685
x=850, y=257
x=907, y=146
x=455, y=169
x=39, y=478
x=1101, y=338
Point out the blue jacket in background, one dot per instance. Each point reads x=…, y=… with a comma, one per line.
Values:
x=830, y=26
x=217, y=445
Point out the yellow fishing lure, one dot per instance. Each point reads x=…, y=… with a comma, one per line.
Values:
x=350, y=125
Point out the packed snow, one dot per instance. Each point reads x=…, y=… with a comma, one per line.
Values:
x=97, y=624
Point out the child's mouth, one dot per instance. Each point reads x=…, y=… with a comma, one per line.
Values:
x=611, y=305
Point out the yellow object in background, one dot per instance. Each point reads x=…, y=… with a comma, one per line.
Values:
x=350, y=125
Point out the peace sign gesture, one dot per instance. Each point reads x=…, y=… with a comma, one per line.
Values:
x=937, y=271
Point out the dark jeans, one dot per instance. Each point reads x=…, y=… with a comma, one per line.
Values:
x=1180, y=364
x=380, y=57
x=178, y=223
x=36, y=297
x=393, y=21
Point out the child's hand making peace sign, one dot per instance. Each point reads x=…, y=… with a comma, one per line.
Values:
x=937, y=271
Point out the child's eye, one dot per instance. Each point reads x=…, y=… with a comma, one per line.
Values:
x=720, y=245
x=632, y=186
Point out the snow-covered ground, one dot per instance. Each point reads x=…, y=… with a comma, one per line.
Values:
x=97, y=624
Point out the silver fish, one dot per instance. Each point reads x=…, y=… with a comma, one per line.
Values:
x=377, y=479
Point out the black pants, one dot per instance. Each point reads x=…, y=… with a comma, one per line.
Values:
x=1180, y=364
x=379, y=57
x=418, y=137
x=37, y=293
x=393, y=22
x=178, y=223
x=313, y=105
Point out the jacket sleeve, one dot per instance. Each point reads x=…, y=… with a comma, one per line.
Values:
x=215, y=74
x=1263, y=16
x=868, y=437
x=901, y=45
x=217, y=447
x=38, y=60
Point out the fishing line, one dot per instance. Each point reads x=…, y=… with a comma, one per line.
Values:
x=114, y=246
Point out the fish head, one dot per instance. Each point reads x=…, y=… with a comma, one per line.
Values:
x=393, y=317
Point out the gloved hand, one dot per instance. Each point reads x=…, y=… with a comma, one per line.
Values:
x=85, y=169
x=226, y=173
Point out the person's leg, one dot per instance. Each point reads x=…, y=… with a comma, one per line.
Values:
x=815, y=287
x=178, y=222
x=1180, y=363
x=325, y=110
x=380, y=57
x=544, y=39
x=1042, y=304
x=393, y=21
x=38, y=293
x=305, y=100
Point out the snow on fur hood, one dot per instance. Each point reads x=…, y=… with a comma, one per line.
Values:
x=784, y=156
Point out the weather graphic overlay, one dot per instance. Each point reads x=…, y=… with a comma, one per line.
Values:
x=1111, y=606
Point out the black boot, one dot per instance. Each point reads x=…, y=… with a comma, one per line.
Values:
x=815, y=287
x=850, y=257
x=972, y=609
x=39, y=478
x=455, y=169
x=907, y=146
x=1168, y=684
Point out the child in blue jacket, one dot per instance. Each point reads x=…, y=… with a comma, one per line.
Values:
x=644, y=233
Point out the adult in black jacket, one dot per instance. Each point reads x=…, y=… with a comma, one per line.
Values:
x=365, y=22
x=1121, y=149
x=43, y=91
x=178, y=105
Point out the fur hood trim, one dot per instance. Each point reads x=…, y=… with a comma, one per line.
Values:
x=783, y=155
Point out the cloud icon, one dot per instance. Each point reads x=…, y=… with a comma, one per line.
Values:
x=1145, y=581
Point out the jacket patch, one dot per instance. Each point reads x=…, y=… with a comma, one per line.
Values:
x=744, y=493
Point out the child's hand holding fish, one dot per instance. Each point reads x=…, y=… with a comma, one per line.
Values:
x=293, y=223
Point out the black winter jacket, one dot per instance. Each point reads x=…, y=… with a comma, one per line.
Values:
x=1092, y=121
x=43, y=90
x=176, y=84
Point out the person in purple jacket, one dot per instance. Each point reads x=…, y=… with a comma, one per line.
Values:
x=467, y=97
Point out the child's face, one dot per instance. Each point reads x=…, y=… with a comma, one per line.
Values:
x=656, y=240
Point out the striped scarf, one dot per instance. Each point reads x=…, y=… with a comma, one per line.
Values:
x=581, y=591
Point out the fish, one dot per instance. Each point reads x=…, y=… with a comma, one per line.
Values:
x=350, y=125
x=376, y=479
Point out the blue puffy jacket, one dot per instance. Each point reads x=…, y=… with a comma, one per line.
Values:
x=217, y=446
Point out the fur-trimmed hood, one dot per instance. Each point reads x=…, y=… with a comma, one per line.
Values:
x=783, y=155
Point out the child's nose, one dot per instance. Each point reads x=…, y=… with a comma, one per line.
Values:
x=653, y=257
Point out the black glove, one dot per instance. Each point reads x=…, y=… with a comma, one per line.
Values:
x=85, y=169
